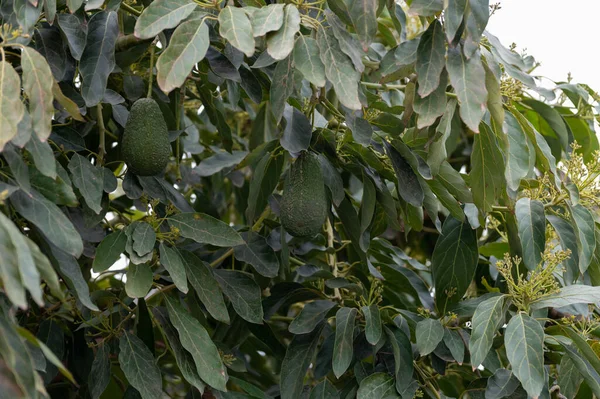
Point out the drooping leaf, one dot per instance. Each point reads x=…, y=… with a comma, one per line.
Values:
x=311, y=315
x=37, y=84
x=201, y=278
x=377, y=385
x=143, y=238
x=171, y=260
x=468, y=79
x=259, y=254
x=487, y=162
x=99, y=377
x=429, y=333
x=139, y=366
x=197, y=342
x=264, y=181
x=501, y=385
x=43, y=156
x=187, y=47
x=139, y=280
x=520, y=157
x=430, y=59
x=453, y=262
x=243, y=292
x=89, y=180
x=235, y=26
x=531, y=223
x=455, y=344
x=205, y=229
x=363, y=14
x=11, y=107
x=308, y=61
x=324, y=390
x=568, y=241
x=584, y=230
x=297, y=359
x=281, y=42
x=569, y=377
x=409, y=188
x=75, y=28
x=267, y=19
x=488, y=317
x=347, y=43
x=298, y=130
x=524, y=341
x=282, y=86
x=476, y=21
x=344, y=337
x=453, y=13
x=161, y=15
x=339, y=69
x=218, y=162
x=431, y=107
x=403, y=358
x=569, y=295
x=373, y=328
x=109, y=251
x=98, y=58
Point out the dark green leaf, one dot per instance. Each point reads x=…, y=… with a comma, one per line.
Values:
x=43, y=156
x=205, y=229
x=377, y=386
x=425, y=7
x=144, y=238
x=109, y=251
x=573, y=369
x=363, y=14
x=196, y=340
x=453, y=13
x=347, y=43
x=139, y=280
x=171, y=260
x=264, y=181
x=453, y=262
x=219, y=161
x=310, y=316
x=409, y=188
x=344, y=339
x=89, y=180
x=524, y=341
x=282, y=86
x=297, y=359
x=429, y=334
x=487, y=173
x=520, y=155
x=455, y=344
x=431, y=107
x=501, y=385
x=139, y=366
x=243, y=292
x=100, y=373
x=584, y=230
x=568, y=240
x=259, y=254
x=531, y=223
x=476, y=21
x=161, y=15
x=488, y=317
x=324, y=390
x=430, y=58
x=75, y=28
x=373, y=323
x=298, y=130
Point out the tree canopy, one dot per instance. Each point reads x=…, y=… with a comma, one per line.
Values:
x=460, y=251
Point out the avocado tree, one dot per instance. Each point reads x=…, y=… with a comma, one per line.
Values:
x=302, y=199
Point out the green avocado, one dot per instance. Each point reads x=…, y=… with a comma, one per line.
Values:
x=145, y=144
x=303, y=208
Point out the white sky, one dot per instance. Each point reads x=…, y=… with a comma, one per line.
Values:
x=561, y=34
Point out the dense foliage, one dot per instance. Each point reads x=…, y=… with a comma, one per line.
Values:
x=460, y=251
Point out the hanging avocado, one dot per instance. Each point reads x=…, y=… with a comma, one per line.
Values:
x=145, y=144
x=304, y=203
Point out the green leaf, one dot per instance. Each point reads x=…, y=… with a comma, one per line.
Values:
x=339, y=69
x=501, y=385
x=205, y=229
x=488, y=317
x=183, y=358
x=187, y=47
x=171, y=260
x=311, y=315
x=429, y=333
x=267, y=19
x=48, y=354
x=431, y=107
x=347, y=43
x=568, y=295
x=45, y=269
x=453, y=17
x=143, y=238
x=408, y=186
x=403, y=358
x=37, y=84
x=281, y=43
x=531, y=223
x=344, y=340
x=99, y=377
x=487, y=173
x=373, y=329
x=139, y=280
x=324, y=390
x=201, y=277
x=47, y=217
x=453, y=262
x=425, y=7
x=282, y=86
x=235, y=26
x=377, y=386
x=363, y=14
x=553, y=118
x=139, y=366
x=75, y=28
x=584, y=230
x=11, y=107
x=568, y=240
x=98, y=58
x=586, y=370
x=264, y=181
x=219, y=161
x=243, y=292
x=468, y=79
x=89, y=180
x=259, y=254
x=476, y=21
x=308, y=61
x=43, y=156
x=362, y=131
x=430, y=59
x=109, y=251
x=74, y=5
x=524, y=341
x=520, y=154
x=297, y=359
x=161, y=15
x=455, y=344
x=196, y=340
x=569, y=377
x=13, y=257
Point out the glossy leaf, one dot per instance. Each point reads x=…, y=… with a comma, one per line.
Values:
x=373, y=329
x=161, y=15
x=205, y=229
x=187, y=47
x=531, y=222
x=109, y=251
x=488, y=317
x=524, y=341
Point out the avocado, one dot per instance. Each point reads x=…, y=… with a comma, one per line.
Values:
x=145, y=144
x=303, y=208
